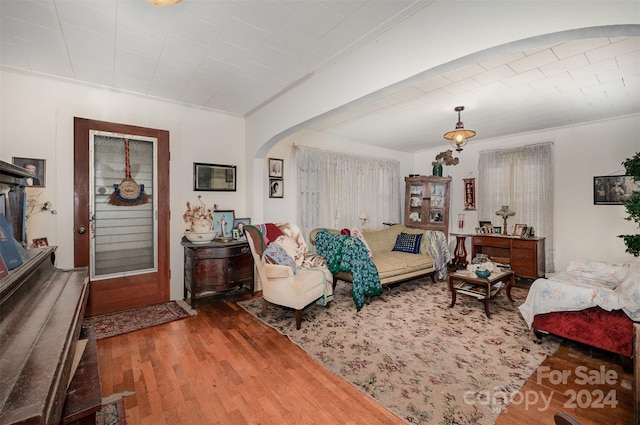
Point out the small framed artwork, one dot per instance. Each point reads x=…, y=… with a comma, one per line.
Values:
x=239, y=224
x=223, y=223
x=276, y=168
x=214, y=177
x=36, y=166
x=469, y=194
x=497, y=230
x=484, y=223
x=612, y=190
x=488, y=230
x=276, y=188
x=40, y=242
x=519, y=229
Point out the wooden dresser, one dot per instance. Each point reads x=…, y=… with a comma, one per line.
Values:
x=525, y=255
x=216, y=267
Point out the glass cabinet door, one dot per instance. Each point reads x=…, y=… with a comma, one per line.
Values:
x=436, y=208
x=415, y=203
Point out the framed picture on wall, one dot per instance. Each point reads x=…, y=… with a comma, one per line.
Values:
x=276, y=167
x=276, y=188
x=214, y=177
x=612, y=190
x=36, y=166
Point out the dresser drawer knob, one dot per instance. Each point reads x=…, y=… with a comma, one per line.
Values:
x=244, y=250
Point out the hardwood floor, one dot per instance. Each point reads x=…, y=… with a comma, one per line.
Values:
x=225, y=367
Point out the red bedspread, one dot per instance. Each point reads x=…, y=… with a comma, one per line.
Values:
x=608, y=330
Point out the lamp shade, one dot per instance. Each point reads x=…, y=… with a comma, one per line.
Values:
x=505, y=212
x=459, y=137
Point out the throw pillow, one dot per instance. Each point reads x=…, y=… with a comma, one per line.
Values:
x=276, y=254
x=358, y=234
x=410, y=243
x=345, y=232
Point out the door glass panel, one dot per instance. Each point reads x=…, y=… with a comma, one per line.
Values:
x=123, y=232
x=415, y=203
x=437, y=203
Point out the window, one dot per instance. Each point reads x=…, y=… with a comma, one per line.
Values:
x=521, y=178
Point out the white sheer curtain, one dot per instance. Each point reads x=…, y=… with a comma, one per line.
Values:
x=521, y=178
x=334, y=189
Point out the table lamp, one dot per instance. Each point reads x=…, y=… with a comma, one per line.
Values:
x=505, y=212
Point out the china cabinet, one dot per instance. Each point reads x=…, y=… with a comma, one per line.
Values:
x=427, y=203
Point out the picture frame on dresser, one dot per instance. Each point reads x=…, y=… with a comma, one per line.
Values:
x=519, y=230
x=223, y=222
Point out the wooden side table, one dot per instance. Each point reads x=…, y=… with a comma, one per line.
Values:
x=216, y=267
x=467, y=283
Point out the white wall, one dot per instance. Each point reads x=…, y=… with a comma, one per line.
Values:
x=36, y=120
x=581, y=229
x=282, y=210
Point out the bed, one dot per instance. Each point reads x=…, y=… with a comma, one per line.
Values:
x=592, y=302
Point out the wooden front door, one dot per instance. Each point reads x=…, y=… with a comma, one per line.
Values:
x=123, y=238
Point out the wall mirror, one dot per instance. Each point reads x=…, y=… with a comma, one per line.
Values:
x=214, y=177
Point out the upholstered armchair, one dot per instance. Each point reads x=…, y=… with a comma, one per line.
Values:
x=288, y=285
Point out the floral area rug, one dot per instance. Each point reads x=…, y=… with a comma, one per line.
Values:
x=420, y=359
x=112, y=413
x=113, y=324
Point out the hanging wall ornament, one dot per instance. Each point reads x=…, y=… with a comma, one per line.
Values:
x=470, y=194
x=128, y=192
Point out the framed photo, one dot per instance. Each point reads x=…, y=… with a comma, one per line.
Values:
x=497, y=230
x=36, y=166
x=214, y=177
x=40, y=242
x=239, y=223
x=276, y=188
x=484, y=223
x=223, y=223
x=276, y=167
x=488, y=230
x=519, y=229
x=612, y=190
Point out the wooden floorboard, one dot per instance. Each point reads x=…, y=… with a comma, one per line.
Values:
x=225, y=367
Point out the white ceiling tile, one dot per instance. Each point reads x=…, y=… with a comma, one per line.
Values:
x=619, y=73
x=214, y=66
x=362, y=22
x=83, y=15
x=47, y=59
x=344, y=8
x=265, y=15
x=524, y=78
x=618, y=48
x=462, y=86
x=495, y=74
x=536, y=60
x=38, y=13
x=93, y=73
x=183, y=51
x=291, y=40
x=215, y=12
x=464, y=72
x=629, y=59
x=11, y=56
x=196, y=94
x=388, y=8
x=570, y=86
x=602, y=66
x=551, y=81
x=196, y=30
x=314, y=19
x=132, y=85
x=89, y=46
x=564, y=65
x=501, y=60
x=138, y=45
x=164, y=89
x=576, y=47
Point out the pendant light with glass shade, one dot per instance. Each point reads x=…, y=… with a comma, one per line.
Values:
x=459, y=136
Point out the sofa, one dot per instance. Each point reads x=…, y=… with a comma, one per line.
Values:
x=398, y=266
x=591, y=302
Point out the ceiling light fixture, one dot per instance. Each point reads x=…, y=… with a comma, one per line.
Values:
x=459, y=136
x=162, y=3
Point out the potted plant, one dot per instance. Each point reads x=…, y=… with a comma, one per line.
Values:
x=632, y=204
